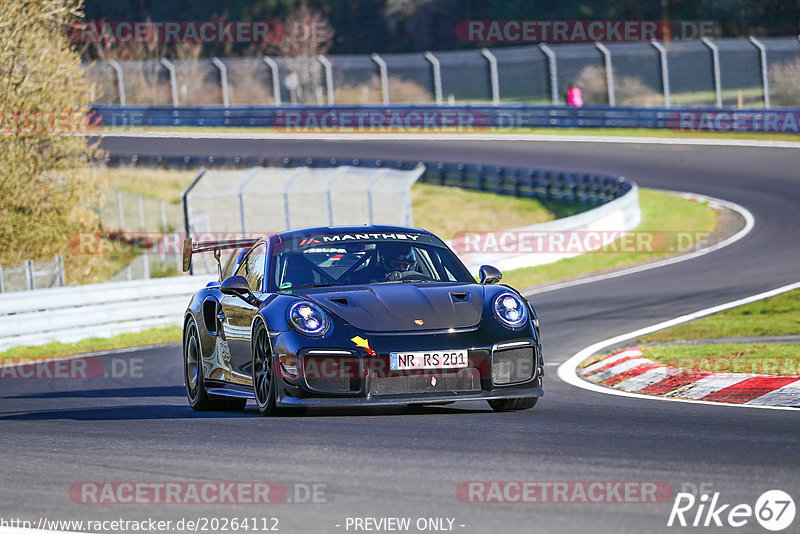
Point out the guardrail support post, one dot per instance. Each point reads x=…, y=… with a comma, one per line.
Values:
x=121, y=211
x=120, y=81
x=186, y=222
x=715, y=64
x=60, y=268
x=240, y=194
x=493, y=75
x=163, y=211
x=29, y=274
x=762, y=52
x=612, y=101
x=140, y=205
x=223, y=80
x=329, y=193
x=328, y=77
x=662, y=57
x=437, y=77
x=384, y=77
x=286, y=205
x=1, y=278
x=552, y=68
x=276, y=82
x=146, y=265
x=173, y=80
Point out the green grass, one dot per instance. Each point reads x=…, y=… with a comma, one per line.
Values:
x=661, y=212
x=160, y=184
x=446, y=211
x=778, y=315
x=153, y=336
x=781, y=359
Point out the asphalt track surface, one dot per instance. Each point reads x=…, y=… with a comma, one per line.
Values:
x=391, y=462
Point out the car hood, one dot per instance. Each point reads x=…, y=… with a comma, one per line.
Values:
x=401, y=306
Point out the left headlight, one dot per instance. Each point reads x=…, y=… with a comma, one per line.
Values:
x=510, y=309
x=309, y=319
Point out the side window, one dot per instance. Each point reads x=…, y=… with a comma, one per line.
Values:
x=232, y=262
x=252, y=267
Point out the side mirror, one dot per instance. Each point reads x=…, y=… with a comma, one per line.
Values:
x=490, y=275
x=236, y=285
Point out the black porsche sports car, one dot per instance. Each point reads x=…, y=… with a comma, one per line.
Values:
x=356, y=316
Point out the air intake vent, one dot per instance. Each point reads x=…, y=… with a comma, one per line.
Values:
x=342, y=301
x=460, y=297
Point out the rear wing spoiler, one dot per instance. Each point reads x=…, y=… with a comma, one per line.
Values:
x=190, y=248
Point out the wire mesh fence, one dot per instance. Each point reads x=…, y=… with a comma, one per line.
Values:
x=128, y=212
x=32, y=275
x=262, y=200
x=522, y=74
x=783, y=70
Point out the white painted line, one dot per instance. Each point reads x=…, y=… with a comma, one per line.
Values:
x=647, y=378
x=611, y=359
x=708, y=385
x=374, y=136
x=617, y=369
x=786, y=395
x=568, y=370
x=749, y=223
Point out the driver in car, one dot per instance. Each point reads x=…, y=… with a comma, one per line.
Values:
x=395, y=260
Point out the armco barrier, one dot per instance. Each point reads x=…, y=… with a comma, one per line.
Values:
x=520, y=182
x=68, y=314
x=411, y=118
x=101, y=310
x=620, y=215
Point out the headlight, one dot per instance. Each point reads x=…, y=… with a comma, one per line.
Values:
x=309, y=319
x=510, y=309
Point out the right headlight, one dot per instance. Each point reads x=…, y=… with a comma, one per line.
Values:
x=309, y=319
x=510, y=309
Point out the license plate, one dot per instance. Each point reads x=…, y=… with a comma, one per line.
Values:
x=443, y=359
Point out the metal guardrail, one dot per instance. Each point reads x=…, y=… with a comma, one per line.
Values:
x=477, y=117
x=68, y=314
x=542, y=184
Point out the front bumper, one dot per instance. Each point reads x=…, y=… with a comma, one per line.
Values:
x=353, y=376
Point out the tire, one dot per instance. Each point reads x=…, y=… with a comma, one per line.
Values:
x=193, y=379
x=510, y=405
x=263, y=375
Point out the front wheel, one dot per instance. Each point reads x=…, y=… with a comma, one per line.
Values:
x=263, y=379
x=509, y=405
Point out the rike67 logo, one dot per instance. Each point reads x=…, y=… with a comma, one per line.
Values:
x=774, y=510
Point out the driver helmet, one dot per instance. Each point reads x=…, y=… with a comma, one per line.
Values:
x=397, y=257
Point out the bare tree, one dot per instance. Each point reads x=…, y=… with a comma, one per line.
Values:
x=306, y=34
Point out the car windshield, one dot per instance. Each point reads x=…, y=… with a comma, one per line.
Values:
x=364, y=262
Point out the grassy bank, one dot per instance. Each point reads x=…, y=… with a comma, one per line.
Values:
x=775, y=316
x=153, y=336
x=661, y=212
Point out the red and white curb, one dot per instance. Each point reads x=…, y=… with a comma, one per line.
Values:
x=628, y=370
